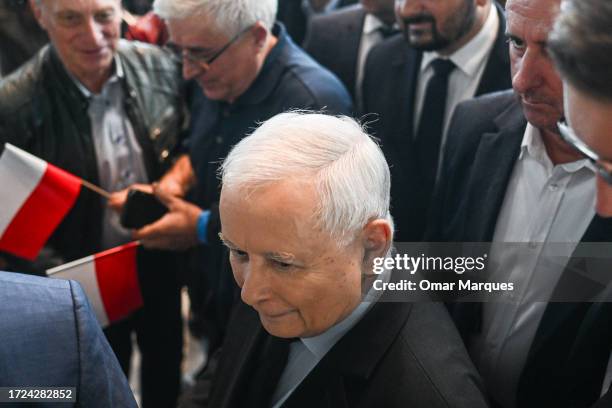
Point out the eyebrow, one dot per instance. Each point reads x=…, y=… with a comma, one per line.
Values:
x=275, y=256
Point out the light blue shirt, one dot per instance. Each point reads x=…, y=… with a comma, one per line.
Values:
x=118, y=153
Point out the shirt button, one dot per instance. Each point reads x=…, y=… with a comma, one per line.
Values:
x=164, y=154
x=219, y=139
x=554, y=187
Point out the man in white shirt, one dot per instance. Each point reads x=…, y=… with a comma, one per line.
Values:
x=508, y=177
x=342, y=40
x=450, y=51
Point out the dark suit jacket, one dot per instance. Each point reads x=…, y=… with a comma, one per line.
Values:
x=389, y=87
x=291, y=14
x=605, y=401
x=333, y=40
x=482, y=148
x=398, y=355
x=50, y=338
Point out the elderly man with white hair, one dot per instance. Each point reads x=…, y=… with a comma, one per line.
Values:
x=304, y=212
x=249, y=70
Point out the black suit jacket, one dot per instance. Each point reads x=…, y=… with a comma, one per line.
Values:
x=568, y=357
x=389, y=87
x=398, y=355
x=333, y=40
x=291, y=14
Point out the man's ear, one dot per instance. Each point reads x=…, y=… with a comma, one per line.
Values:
x=377, y=238
x=260, y=33
x=36, y=7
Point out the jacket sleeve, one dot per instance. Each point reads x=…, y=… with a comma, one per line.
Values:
x=101, y=381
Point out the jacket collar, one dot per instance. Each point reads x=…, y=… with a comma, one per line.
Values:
x=494, y=161
x=271, y=71
x=353, y=359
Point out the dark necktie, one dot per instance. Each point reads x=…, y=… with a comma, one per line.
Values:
x=431, y=123
x=387, y=31
x=270, y=365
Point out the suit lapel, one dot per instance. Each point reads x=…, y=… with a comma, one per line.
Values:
x=238, y=365
x=351, y=41
x=494, y=162
x=406, y=66
x=339, y=377
x=572, y=336
x=497, y=75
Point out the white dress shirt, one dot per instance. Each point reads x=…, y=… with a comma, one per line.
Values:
x=470, y=61
x=543, y=204
x=370, y=36
x=118, y=154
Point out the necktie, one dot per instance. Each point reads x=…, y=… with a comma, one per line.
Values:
x=387, y=31
x=431, y=124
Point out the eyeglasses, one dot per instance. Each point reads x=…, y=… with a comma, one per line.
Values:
x=569, y=136
x=199, y=55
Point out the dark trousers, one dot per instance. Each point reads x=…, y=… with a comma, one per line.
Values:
x=158, y=329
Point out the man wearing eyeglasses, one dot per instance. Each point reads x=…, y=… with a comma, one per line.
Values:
x=248, y=70
x=581, y=47
x=583, y=54
x=111, y=112
x=510, y=177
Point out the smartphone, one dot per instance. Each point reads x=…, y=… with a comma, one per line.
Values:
x=141, y=209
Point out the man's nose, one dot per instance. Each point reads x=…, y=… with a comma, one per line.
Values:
x=255, y=287
x=192, y=69
x=527, y=73
x=94, y=32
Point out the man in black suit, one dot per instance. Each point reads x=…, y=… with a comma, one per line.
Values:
x=294, y=14
x=507, y=176
x=450, y=51
x=342, y=40
x=305, y=215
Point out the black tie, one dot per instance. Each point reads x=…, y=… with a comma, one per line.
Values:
x=431, y=123
x=387, y=31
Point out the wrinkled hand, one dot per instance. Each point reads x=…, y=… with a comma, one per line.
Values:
x=177, y=230
x=118, y=199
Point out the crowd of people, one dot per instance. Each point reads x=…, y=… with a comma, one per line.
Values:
x=292, y=142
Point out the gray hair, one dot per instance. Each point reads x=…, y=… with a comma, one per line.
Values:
x=345, y=164
x=229, y=16
x=581, y=45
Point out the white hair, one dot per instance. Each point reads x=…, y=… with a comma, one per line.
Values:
x=229, y=16
x=345, y=164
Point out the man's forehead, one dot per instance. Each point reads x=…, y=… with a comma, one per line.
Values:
x=195, y=32
x=532, y=19
x=80, y=5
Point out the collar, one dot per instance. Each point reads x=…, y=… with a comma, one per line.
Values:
x=271, y=71
x=321, y=344
x=533, y=146
x=472, y=55
x=117, y=75
x=371, y=24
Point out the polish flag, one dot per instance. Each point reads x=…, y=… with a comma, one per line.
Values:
x=34, y=198
x=110, y=280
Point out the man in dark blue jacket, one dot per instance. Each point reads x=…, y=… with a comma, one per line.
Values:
x=50, y=338
x=249, y=70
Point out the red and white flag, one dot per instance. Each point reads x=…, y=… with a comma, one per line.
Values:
x=110, y=280
x=34, y=198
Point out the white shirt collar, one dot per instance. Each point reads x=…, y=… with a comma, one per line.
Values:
x=118, y=74
x=533, y=146
x=472, y=55
x=371, y=24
